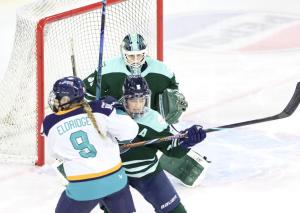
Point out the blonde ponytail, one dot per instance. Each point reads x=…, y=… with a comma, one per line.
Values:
x=87, y=108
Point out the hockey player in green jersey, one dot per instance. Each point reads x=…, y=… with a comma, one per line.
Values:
x=165, y=97
x=141, y=163
x=134, y=60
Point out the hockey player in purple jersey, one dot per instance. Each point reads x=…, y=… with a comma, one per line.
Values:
x=85, y=136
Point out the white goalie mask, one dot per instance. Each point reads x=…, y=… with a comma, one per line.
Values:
x=134, y=49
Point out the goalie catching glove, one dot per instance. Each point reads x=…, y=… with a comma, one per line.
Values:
x=171, y=105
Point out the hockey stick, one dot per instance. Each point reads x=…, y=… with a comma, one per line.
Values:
x=125, y=147
x=73, y=58
x=288, y=111
x=98, y=88
x=87, y=109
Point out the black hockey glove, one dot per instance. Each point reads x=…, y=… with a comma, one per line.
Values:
x=109, y=99
x=195, y=134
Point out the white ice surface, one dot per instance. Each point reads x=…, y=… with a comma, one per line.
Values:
x=254, y=168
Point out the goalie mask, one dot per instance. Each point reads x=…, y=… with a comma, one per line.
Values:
x=133, y=50
x=66, y=92
x=136, y=95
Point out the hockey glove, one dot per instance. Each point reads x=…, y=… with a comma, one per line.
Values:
x=109, y=99
x=172, y=104
x=114, y=102
x=195, y=134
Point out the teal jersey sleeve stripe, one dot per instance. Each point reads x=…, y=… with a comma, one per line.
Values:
x=155, y=66
x=153, y=120
x=115, y=65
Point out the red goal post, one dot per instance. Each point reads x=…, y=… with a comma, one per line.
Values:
x=42, y=54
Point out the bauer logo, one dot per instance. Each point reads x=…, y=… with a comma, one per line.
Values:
x=168, y=203
x=241, y=32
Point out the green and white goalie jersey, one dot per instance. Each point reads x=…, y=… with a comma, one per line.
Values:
x=114, y=72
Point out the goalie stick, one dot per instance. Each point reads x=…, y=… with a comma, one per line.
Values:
x=98, y=88
x=73, y=58
x=87, y=107
x=288, y=111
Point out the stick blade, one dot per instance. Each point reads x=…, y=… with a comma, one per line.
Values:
x=293, y=104
x=288, y=110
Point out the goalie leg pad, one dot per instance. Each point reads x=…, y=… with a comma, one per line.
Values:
x=190, y=169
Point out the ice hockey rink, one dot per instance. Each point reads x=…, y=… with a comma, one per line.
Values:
x=235, y=61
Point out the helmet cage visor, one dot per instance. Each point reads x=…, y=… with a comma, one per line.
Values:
x=134, y=59
x=57, y=102
x=136, y=105
x=53, y=102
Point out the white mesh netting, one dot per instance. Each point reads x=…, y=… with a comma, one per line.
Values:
x=18, y=115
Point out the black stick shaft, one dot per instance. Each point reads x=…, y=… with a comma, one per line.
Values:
x=73, y=58
x=100, y=60
x=288, y=110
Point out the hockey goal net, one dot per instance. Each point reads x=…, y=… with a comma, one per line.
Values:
x=42, y=54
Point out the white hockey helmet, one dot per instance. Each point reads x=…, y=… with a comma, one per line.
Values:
x=133, y=50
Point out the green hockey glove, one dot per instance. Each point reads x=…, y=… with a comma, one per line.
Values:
x=171, y=105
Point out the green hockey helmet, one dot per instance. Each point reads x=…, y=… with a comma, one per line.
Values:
x=133, y=50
